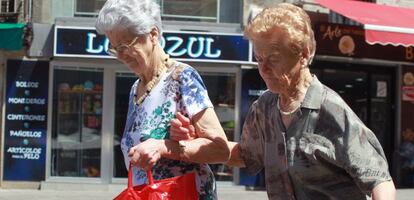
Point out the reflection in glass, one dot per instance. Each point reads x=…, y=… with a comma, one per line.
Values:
x=124, y=81
x=77, y=117
x=221, y=90
x=89, y=7
x=203, y=10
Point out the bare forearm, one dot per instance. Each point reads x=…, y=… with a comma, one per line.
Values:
x=384, y=191
x=235, y=158
x=200, y=150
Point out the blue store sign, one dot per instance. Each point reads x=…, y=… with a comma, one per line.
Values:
x=207, y=47
x=25, y=120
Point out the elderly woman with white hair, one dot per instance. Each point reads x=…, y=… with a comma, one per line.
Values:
x=308, y=140
x=163, y=87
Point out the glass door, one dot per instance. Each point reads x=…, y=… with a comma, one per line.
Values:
x=369, y=91
x=222, y=92
x=221, y=89
x=76, y=122
x=123, y=83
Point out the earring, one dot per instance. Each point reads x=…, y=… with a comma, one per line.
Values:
x=303, y=64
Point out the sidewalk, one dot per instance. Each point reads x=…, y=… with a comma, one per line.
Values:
x=226, y=191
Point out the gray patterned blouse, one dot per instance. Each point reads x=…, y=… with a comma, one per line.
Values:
x=326, y=153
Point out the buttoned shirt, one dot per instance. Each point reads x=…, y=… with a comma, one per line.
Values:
x=326, y=153
x=151, y=119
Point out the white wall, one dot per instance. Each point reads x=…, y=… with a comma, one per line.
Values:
x=41, y=11
x=63, y=8
x=400, y=3
x=255, y=6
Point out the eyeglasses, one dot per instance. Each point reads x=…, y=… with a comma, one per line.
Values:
x=114, y=51
x=272, y=59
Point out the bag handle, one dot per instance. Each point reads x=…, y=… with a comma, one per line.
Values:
x=149, y=176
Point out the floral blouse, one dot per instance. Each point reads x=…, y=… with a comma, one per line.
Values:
x=179, y=89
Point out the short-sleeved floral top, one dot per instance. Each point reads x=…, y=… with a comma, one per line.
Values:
x=179, y=89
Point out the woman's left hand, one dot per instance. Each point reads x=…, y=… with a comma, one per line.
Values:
x=146, y=154
x=181, y=128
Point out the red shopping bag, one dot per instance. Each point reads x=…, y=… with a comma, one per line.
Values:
x=176, y=188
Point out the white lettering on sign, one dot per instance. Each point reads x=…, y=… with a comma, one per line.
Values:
x=24, y=84
x=27, y=101
x=90, y=48
x=173, y=50
x=194, y=47
x=26, y=152
x=30, y=134
x=208, y=53
x=20, y=117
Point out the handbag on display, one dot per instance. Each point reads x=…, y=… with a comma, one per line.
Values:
x=176, y=188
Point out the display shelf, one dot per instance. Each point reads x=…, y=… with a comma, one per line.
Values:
x=79, y=122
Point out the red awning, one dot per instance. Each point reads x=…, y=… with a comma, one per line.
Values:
x=383, y=24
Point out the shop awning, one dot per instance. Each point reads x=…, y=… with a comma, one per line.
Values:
x=383, y=24
x=11, y=36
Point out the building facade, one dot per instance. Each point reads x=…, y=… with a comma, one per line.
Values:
x=64, y=99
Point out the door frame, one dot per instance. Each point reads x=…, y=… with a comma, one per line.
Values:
x=369, y=67
x=109, y=67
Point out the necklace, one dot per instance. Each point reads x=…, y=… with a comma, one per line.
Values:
x=283, y=112
x=150, y=85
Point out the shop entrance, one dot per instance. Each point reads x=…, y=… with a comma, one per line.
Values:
x=221, y=86
x=369, y=91
x=77, y=122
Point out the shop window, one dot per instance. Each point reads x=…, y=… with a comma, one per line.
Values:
x=9, y=11
x=124, y=81
x=201, y=10
x=88, y=8
x=221, y=90
x=8, y=6
x=178, y=10
x=76, y=122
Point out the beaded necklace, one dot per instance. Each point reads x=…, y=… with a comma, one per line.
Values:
x=150, y=85
x=286, y=113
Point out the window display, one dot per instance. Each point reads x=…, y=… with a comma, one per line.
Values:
x=77, y=121
x=124, y=81
x=221, y=89
x=88, y=8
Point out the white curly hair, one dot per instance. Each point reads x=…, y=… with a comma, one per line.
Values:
x=136, y=16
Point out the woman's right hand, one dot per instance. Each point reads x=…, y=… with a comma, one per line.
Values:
x=181, y=128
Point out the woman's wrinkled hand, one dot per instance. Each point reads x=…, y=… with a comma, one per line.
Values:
x=181, y=128
x=146, y=154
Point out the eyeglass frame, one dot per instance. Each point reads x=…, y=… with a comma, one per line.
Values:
x=271, y=58
x=114, y=51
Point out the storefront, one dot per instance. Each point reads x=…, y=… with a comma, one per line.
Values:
x=88, y=96
x=370, y=79
x=68, y=122
x=376, y=81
